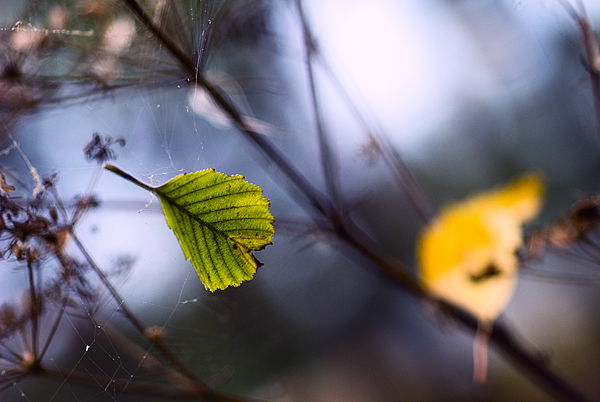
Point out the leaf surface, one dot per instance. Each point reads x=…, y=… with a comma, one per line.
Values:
x=468, y=254
x=219, y=220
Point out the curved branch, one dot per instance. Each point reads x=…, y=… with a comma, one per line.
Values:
x=592, y=53
x=353, y=236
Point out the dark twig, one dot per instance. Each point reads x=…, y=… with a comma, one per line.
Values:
x=402, y=175
x=534, y=364
x=592, y=53
x=346, y=230
x=329, y=160
x=131, y=316
x=34, y=312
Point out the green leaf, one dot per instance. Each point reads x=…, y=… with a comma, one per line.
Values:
x=218, y=220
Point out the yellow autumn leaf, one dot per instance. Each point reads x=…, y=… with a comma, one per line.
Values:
x=467, y=255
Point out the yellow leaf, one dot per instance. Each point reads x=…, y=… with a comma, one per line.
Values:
x=467, y=254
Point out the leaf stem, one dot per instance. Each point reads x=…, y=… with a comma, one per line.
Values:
x=112, y=168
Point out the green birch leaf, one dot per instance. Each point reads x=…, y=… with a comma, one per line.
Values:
x=219, y=220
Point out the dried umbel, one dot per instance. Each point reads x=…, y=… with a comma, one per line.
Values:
x=34, y=234
x=99, y=149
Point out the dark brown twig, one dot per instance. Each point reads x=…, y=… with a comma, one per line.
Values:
x=329, y=160
x=402, y=175
x=592, y=53
x=354, y=236
x=34, y=312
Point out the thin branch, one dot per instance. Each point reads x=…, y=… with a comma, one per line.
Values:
x=592, y=53
x=12, y=356
x=200, y=390
x=52, y=331
x=391, y=157
x=314, y=197
x=131, y=316
x=137, y=353
x=348, y=231
x=329, y=160
x=405, y=179
x=34, y=311
x=10, y=377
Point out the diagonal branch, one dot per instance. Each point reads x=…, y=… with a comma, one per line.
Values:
x=592, y=53
x=314, y=197
x=401, y=173
x=197, y=388
x=329, y=161
x=352, y=235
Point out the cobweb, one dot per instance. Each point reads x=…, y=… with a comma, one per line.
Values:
x=92, y=72
x=84, y=81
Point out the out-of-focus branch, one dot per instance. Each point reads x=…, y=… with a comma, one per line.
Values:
x=533, y=364
x=329, y=160
x=137, y=323
x=391, y=157
x=193, y=388
x=592, y=52
x=353, y=236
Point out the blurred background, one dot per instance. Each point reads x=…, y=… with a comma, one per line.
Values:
x=470, y=92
